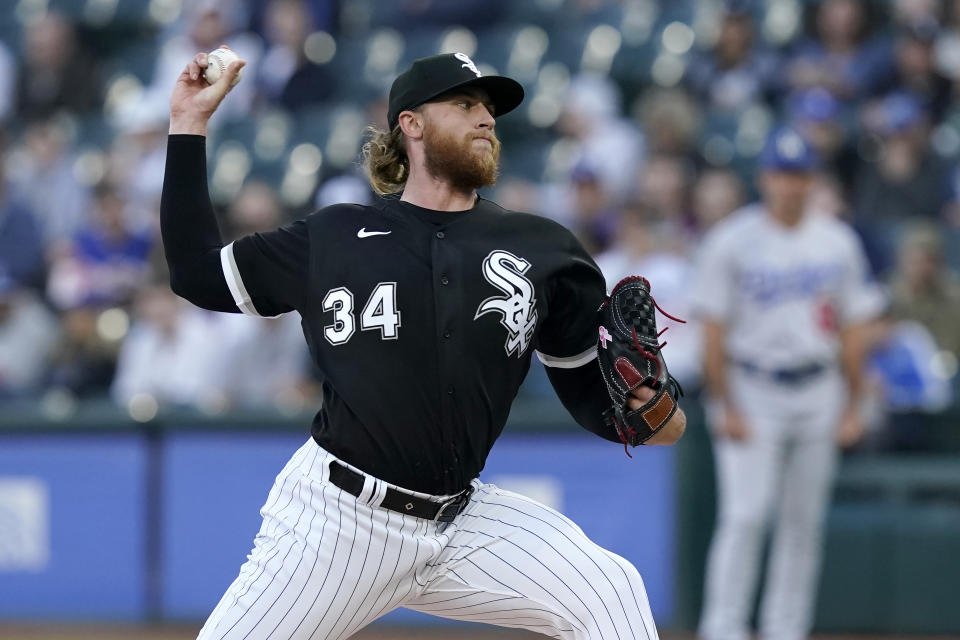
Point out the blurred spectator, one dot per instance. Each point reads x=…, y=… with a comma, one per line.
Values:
x=207, y=25
x=924, y=289
x=716, y=194
x=670, y=119
x=137, y=158
x=21, y=239
x=287, y=76
x=27, y=333
x=55, y=72
x=266, y=364
x=347, y=187
x=256, y=208
x=169, y=355
x=827, y=197
x=664, y=184
x=517, y=194
x=947, y=47
x=817, y=114
x=410, y=15
x=917, y=356
x=842, y=57
x=44, y=177
x=322, y=14
x=83, y=359
x=914, y=11
x=910, y=385
x=915, y=69
x=604, y=142
x=641, y=245
x=8, y=82
x=594, y=214
x=903, y=180
x=735, y=73
x=107, y=261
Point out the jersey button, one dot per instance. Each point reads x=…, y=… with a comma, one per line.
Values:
x=446, y=334
x=450, y=391
x=444, y=280
x=441, y=235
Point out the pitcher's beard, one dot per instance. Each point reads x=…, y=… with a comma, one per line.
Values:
x=465, y=164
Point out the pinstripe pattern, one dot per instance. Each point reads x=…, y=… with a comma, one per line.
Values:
x=326, y=564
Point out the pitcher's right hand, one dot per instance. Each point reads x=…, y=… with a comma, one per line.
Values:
x=193, y=100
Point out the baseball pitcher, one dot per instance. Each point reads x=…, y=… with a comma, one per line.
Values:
x=422, y=312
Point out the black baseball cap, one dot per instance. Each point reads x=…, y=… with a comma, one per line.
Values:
x=433, y=76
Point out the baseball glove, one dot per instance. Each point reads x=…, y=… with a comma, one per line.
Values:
x=629, y=353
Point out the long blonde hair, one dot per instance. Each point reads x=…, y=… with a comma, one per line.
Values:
x=385, y=160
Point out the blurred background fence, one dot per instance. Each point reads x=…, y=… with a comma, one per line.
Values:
x=109, y=519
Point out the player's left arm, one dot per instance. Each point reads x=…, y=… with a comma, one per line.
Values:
x=853, y=349
x=567, y=347
x=861, y=303
x=583, y=393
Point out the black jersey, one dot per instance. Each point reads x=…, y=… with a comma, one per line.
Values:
x=422, y=323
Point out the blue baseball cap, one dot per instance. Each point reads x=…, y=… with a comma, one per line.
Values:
x=899, y=110
x=787, y=150
x=816, y=105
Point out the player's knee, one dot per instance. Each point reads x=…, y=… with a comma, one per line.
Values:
x=744, y=521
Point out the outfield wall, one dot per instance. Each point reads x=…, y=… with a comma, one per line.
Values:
x=104, y=519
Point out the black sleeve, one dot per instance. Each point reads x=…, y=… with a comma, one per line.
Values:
x=570, y=328
x=263, y=274
x=191, y=238
x=267, y=272
x=584, y=394
x=567, y=341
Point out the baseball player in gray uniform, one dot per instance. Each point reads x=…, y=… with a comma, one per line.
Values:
x=784, y=297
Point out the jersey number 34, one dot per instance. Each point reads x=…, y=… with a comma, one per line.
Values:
x=380, y=312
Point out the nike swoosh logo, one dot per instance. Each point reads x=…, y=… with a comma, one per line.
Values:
x=363, y=233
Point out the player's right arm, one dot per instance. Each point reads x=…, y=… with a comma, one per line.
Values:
x=714, y=302
x=715, y=363
x=262, y=274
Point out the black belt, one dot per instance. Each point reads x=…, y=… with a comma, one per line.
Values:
x=352, y=482
x=793, y=375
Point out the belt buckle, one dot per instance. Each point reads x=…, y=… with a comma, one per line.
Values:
x=456, y=503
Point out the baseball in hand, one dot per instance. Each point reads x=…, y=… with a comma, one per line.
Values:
x=217, y=62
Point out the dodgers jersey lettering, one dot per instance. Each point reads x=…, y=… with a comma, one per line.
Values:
x=784, y=293
x=423, y=343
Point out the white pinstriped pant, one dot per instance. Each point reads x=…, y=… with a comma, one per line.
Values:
x=326, y=564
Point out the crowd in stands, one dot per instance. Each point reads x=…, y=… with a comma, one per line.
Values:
x=640, y=131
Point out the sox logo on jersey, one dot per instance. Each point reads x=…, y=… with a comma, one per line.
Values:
x=505, y=271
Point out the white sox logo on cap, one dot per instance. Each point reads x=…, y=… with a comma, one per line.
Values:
x=431, y=77
x=467, y=63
